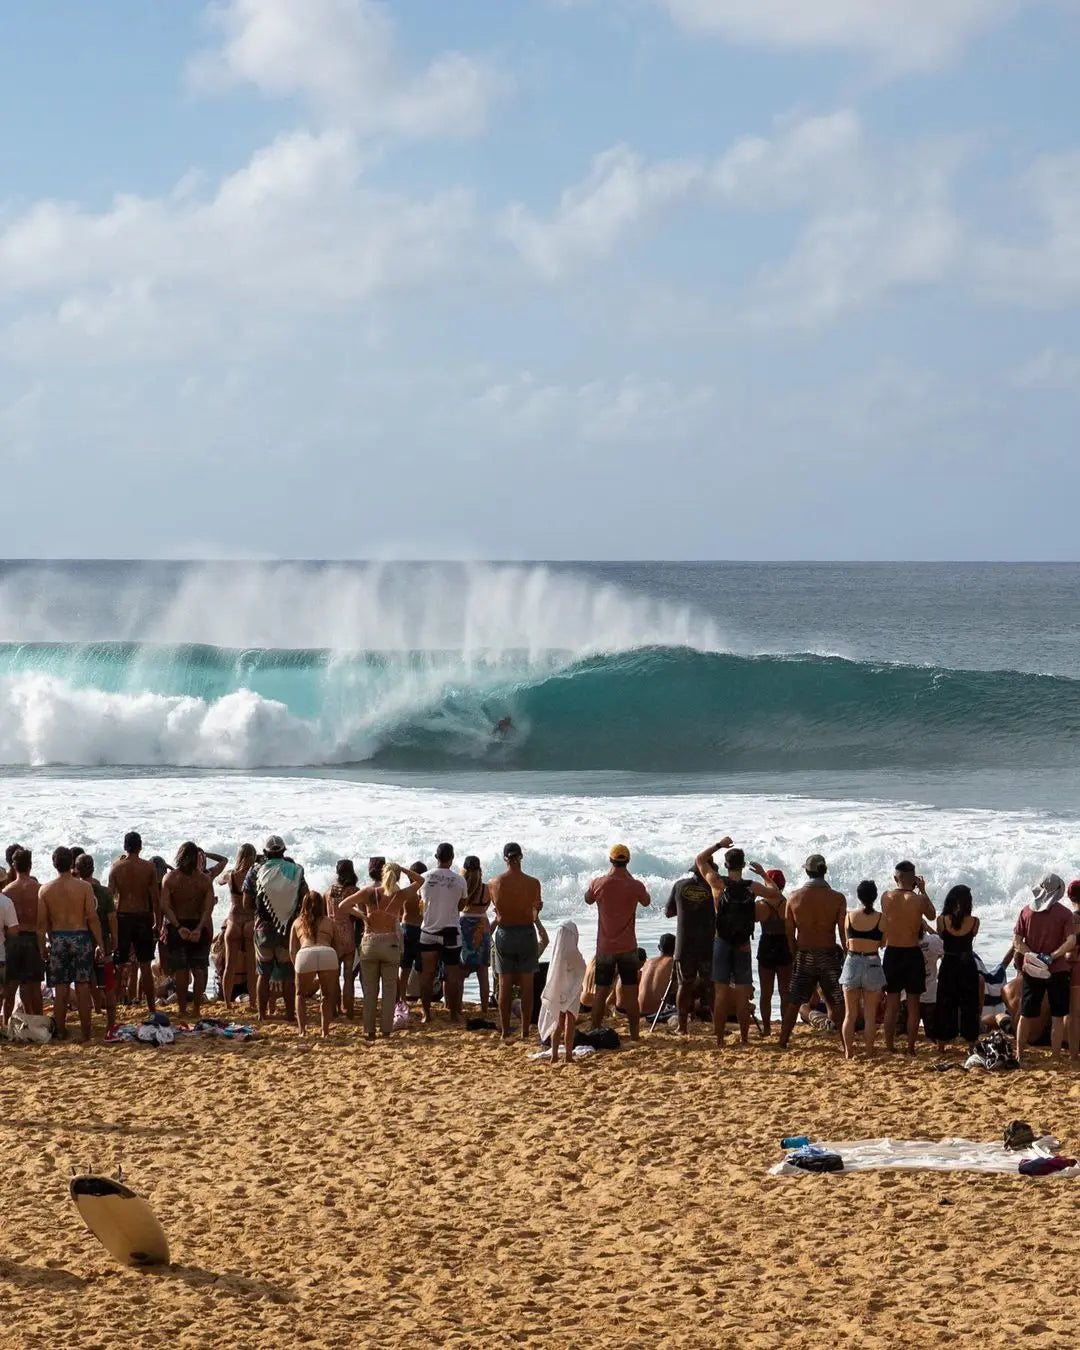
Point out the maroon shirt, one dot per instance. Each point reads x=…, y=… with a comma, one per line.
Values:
x=1044, y=930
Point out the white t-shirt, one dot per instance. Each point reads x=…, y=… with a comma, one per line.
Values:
x=933, y=949
x=8, y=917
x=443, y=888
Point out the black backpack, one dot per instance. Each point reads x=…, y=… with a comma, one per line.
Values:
x=735, y=913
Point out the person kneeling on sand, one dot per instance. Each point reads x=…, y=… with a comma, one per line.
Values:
x=561, y=999
x=655, y=984
x=815, y=927
x=75, y=939
x=315, y=959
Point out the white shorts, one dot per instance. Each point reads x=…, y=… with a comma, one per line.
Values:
x=312, y=960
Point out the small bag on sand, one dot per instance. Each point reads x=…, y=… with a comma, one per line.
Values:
x=24, y=1026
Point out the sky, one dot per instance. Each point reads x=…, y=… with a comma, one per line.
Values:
x=540, y=279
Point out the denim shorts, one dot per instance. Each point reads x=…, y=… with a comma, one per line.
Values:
x=862, y=970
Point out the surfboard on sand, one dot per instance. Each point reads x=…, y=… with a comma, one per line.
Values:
x=122, y=1221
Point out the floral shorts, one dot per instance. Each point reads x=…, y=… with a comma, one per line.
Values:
x=71, y=959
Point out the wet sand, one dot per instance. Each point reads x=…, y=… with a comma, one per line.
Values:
x=440, y=1189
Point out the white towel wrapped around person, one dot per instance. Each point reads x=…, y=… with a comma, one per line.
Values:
x=565, y=978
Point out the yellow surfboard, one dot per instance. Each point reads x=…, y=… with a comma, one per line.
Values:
x=122, y=1221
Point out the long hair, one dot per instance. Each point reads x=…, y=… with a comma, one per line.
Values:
x=311, y=911
x=957, y=906
x=245, y=858
x=391, y=875
x=346, y=872
x=187, y=857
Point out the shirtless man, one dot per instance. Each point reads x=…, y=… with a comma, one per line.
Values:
x=656, y=977
x=517, y=902
x=815, y=929
x=904, y=909
x=133, y=881
x=26, y=950
x=735, y=901
x=187, y=902
x=7, y=874
x=104, y=990
x=71, y=919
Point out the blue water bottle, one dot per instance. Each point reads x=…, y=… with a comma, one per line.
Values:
x=794, y=1141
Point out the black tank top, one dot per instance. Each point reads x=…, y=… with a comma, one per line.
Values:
x=735, y=912
x=957, y=944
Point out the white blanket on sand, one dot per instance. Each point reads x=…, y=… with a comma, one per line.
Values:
x=936, y=1155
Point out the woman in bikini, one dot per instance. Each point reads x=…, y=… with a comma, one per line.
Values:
x=239, y=928
x=315, y=959
x=476, y=930
x=383, y=907
x=862, y=978
x=346, y=885
x=773, y=953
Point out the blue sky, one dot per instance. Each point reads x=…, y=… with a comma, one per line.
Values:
x=541, y=278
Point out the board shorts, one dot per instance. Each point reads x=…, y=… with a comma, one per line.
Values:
x=773, y=951
x=272, y=952
x=863, y=970
x=410, y=946
x=71, y=959
x=1057, y=989
x=24, y=963
x=316, y=960
x=627, y=965
x=814, y=966
x=445, y=941
x=731, y=963
x=905, y=970
x=517, y=949
x=180, y=954
x=695, y=967
x=135, y=931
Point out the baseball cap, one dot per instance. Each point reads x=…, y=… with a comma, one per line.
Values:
x=777, y=878
x=619, y=854
x=815, y=863
x=275, y=844
x=512, y=851
x=1074, y=891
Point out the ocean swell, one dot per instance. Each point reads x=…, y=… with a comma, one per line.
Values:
x=654, y=709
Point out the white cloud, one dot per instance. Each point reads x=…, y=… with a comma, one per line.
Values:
x=296, y=230
x=620, y=192
x=340, y=56
x=1050, y=369
x=899, y=34
x=1045, y=274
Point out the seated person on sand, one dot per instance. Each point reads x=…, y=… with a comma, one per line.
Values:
x=654, y=983
x=315, y=959
x=995, y=1011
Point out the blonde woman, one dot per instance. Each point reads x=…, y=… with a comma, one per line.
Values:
x=239, y=928
x=383, y=907
x=315, y=959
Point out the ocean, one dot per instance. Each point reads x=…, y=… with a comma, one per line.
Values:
x=865, y=711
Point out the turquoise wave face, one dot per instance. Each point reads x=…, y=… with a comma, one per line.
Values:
x=655, y=709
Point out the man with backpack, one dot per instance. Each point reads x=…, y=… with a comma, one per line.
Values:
x=735, y=900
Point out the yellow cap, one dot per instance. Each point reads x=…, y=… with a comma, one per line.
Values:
x=619, y=853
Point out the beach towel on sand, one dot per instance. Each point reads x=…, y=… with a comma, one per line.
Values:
x=566, y=975
x=940, y=1155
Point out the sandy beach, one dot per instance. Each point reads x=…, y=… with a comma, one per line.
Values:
x=442, y=1189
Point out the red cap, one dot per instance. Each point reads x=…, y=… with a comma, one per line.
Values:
x=777, y=878
x=1073, y=891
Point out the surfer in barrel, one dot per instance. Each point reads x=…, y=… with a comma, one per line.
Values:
x=502, y=728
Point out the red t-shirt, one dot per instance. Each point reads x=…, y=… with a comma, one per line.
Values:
x=1044, y=930
x=617, y=897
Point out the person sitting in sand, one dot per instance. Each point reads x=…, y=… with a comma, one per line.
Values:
x=136, y=889
x=816, y=917
x=561, y=999
x=516, y=902
x=995, y=1012
x=103, y=991
x=656, y=981
x=239, y=931
x=862, y=978
x=75, y=940
x=187, y=903
x=380, y=948
x=735, y=900
x=905, y=907
x=25, y=952
x=691, y=904
x=314, y=960
x=345, y=886
x=476, y=930
x=1045, y=935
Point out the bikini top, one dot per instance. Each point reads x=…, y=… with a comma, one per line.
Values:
x=865, y=934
